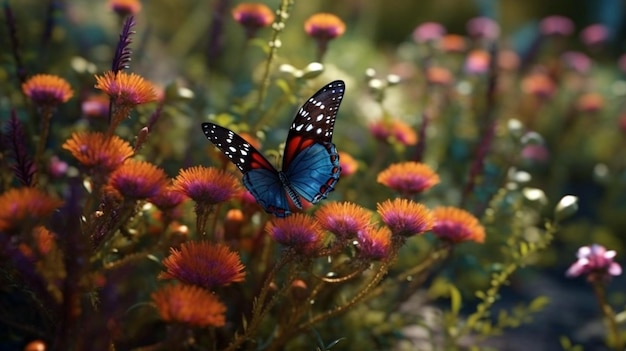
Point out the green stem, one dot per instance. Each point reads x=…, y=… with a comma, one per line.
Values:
x=278, y=26
x=609, y=316
x=46, y=116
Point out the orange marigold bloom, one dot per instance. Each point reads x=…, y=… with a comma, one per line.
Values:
x=343, y=219
x=25, y=206
x=47, y=89
x=189, y=305
x=395, y=131
x=457, y=225
x=374, y=243
x=253, y=16
x=324, y=26
x=203, y=264
x=125, y=7
x=348, y=164
x=206, y=185
x=97, y=152
x=138, y=179
x=298, y=232
x=408, y=178
x=405, y=217
x=126, y=89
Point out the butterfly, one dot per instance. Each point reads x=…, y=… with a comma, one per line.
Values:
x=310, y=166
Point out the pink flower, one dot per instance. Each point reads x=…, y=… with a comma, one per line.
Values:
x=483, y=27
x=556, y=25
x=428, y=31
x=577, y=61
x=595, y=262
x=594, y=34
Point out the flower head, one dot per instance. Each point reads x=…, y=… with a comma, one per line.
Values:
x=25, y=207
x=539, y=85
x=203, y=264
x=408, y=178
x=206, y=185
x=298, y=232
x=138, y=179
x=404, y=217
x=428, y=31
x=457, y=225
x=374, y=243
x=595, y=34
x=125, y=7
x=47, y=90
x=95, y=106
x=324, y=26
x=395, y=131
x=477, y=62
x=483, y=27
x=556, y=25
x=439, y=76
x=348, y=164
x=595, y=262
x=253, y=16
x=452, y=43
x=126, y=89
x=97, y=152
x=590, y=103
x=189, y=305
x=577, y=61
x=168, y=198
x=344, y=219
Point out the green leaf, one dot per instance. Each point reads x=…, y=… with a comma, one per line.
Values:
x=538, y=303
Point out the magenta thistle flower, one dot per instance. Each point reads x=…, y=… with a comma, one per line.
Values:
x=344, y=219
x=595, y=262
x=405, y=218
x=299, y=232
x=428, y=31
x=374, y=243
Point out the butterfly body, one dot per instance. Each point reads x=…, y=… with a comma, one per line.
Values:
x=310, y=167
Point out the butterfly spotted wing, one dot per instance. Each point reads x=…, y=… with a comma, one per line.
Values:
x=310, y=164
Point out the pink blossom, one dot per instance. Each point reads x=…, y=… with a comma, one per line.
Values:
x=595, y=262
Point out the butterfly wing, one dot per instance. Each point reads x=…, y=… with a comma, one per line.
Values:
x=314, y=171
x=259, y=176
x=310, y=161
x=315, y=121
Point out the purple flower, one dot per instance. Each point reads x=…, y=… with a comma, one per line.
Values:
x=596, y=262
x=556, y=25
x=428, y=31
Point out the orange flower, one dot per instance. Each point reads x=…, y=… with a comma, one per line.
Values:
x=539, y=85
x=408, y=178
x=405, y=217
x=343, y=219
x=25, y=206
x=374, y=243
x=138, y=179
x=324, y=26
x=590, y=102
x=189, y=305
x=477, y=61
x=126, y=89
x=457, y=225
x=125, y=7
x=452, y=43
x=206, y=185
x=95, y=106
x=253, y=16
x=203, y=264
x=396, y=131
x=439, y=76
x=348, y=164
x=95, y=151
x=47, y=89
x=298, y=232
